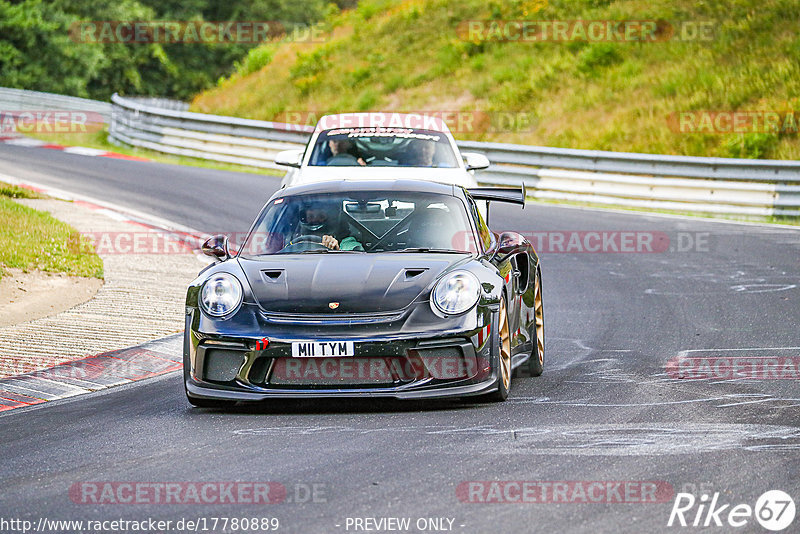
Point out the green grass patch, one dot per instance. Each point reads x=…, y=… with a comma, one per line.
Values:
x=34, y=240
x=15, y=191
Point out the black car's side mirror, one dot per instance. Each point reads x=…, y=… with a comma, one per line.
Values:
x=217, y=247
x=508, y=244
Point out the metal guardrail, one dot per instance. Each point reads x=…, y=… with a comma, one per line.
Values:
x=23, y=100
x=161, y=103
x=692, y=184
x=707, y=185
x=197, y=135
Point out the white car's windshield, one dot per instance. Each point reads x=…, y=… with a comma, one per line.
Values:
x=362, y=221
x=382, y=147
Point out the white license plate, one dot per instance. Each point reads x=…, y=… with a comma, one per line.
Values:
x=322, y=349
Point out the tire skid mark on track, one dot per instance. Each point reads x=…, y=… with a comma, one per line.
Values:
x=623, y=439
x=759, y=279
x=585, y=403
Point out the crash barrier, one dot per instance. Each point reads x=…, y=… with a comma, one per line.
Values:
x=16, y=100
x=162, y=103
x=706, y=185
x=197, y=135
x=690, y=184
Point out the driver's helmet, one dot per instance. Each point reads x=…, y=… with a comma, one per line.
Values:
x=318, y=218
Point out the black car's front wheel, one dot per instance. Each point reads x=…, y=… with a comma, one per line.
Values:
x=503, y=350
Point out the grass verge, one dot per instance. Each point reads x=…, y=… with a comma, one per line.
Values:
x=15, y=191
x=34, y=240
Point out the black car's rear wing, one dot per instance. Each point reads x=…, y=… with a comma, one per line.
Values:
x=514, y=195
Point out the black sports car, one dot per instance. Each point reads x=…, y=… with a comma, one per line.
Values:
x=366, y=289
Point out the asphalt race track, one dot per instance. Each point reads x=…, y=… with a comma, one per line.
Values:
x=610, y=407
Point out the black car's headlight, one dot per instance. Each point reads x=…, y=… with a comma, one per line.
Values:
x=221, y=294
x=456, y=293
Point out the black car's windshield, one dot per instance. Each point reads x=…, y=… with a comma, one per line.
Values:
x=362, y=222
x=382, y=147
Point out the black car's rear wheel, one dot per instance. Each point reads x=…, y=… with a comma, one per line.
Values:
x=536, y=361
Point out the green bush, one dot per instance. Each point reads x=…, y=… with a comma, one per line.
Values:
x=597, y=55
x=366, y=100
x=309, y=64
x=256, y=59
x=357, y=75
x=751, y=145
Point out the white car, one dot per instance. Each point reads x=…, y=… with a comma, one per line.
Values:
x=380, y=146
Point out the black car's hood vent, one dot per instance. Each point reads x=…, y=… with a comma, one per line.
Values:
x=342, y=283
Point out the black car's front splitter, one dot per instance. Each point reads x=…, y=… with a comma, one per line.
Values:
x=201, y=391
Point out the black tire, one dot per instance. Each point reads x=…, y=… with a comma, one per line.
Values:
x=504, y=368
x=536, y=361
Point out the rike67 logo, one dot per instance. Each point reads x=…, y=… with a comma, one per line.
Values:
x=774, y=510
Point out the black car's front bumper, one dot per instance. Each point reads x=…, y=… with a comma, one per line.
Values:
x=453, y=362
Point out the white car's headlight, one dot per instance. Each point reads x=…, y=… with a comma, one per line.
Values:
x=456, y=293
x=221, y=294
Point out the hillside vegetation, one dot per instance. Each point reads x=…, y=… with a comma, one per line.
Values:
x=58, y=46
x=414, y=55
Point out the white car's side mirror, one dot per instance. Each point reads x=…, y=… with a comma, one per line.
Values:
x=289, y=158
x=475, y=161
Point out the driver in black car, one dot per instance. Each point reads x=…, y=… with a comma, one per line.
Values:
x=321, y=221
